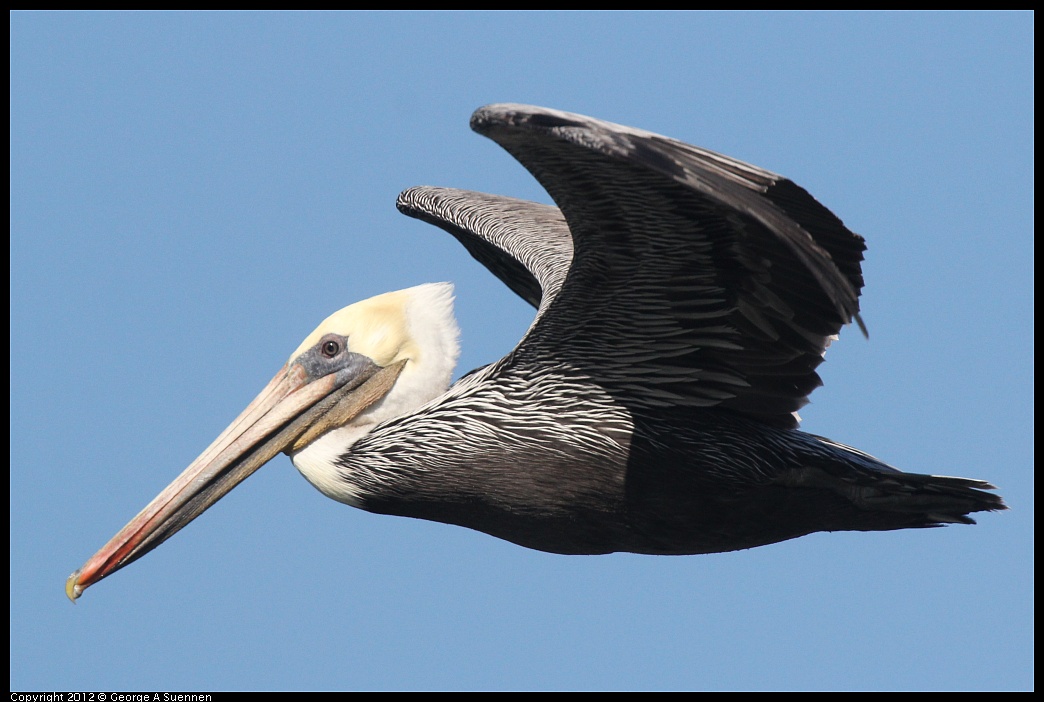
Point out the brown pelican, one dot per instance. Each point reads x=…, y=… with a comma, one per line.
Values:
x=684, y=300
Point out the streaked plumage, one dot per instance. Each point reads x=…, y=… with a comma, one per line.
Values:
x=684, y=301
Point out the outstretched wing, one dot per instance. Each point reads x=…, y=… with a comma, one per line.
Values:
x=525, y=244
x=695, y=279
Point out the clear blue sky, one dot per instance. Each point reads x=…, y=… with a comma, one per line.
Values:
x=192, y=193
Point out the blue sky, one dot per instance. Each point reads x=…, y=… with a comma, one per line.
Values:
x=192, y=193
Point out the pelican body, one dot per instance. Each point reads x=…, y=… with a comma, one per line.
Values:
x=684, y=301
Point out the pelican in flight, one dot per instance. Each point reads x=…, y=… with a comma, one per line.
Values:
x=684, y=300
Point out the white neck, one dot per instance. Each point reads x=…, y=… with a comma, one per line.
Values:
x=430, y=349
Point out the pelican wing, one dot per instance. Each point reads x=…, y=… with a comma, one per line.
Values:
x=696, y=279
x=525, y=244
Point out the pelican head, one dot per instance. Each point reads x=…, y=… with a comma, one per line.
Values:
x=369, y=362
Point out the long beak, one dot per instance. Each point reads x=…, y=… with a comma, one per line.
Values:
x=289, y=413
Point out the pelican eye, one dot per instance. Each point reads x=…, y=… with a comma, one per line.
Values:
x=330, y=348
